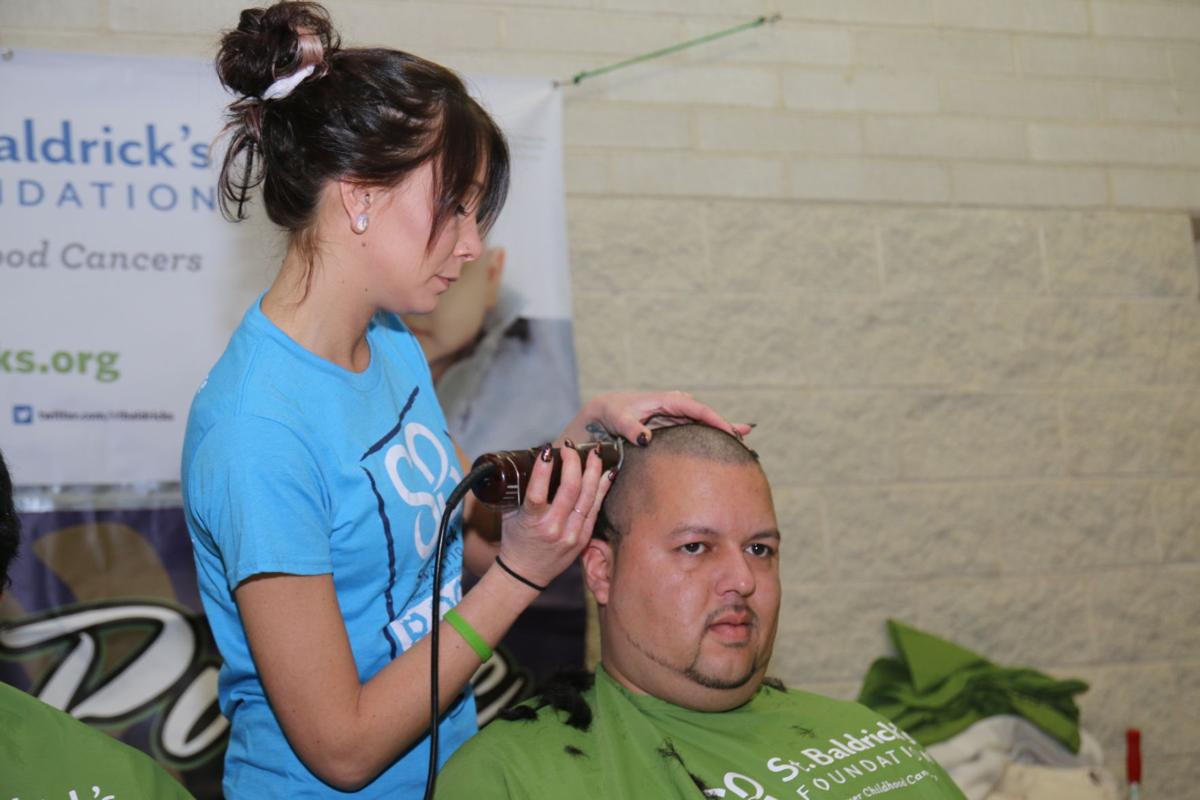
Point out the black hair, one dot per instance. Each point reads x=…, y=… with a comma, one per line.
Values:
x=10, y=524
x=693, y=440
x=366, y=115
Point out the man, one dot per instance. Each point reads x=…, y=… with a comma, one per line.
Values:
x=45, y=753
x=685, y=571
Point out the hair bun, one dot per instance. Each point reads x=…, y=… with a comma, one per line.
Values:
x=274, y=42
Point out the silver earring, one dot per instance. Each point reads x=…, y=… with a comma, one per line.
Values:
x=360, y=224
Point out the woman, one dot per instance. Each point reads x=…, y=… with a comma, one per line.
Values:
x=316, y=464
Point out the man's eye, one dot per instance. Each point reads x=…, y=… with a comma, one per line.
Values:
x=694, y=548
x=761, y=550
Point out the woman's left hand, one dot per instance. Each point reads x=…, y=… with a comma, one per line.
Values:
x=634, y=415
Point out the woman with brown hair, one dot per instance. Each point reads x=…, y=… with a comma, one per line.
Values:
x=316, y=463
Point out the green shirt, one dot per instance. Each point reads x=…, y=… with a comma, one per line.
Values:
x=48, y=755
x=781, y=744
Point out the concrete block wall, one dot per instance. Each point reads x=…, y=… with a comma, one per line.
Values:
x=939, y=250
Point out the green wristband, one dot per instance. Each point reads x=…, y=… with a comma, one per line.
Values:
x=469, y=634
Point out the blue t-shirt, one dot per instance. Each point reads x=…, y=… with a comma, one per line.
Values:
x=293, y=464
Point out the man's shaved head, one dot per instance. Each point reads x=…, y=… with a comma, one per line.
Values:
x=684, y=567
x=631, y=489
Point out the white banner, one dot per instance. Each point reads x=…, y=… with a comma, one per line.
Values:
x=120, y=282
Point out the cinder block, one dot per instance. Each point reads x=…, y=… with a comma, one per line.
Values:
x=1065, y=57
x=945, y=137
x=1177, y=512
x=1183, y=357
x=1026, y=98
x=630, y=245
x=1131, y=607
x=944, y=51
x=912, y=532
x=1091, y=144
x=777, y=131
x=869, y=180
x=1143, y=696
x=1073, y=343
x=1064, y=528
x=1146, y=19
x=1162, y=188
x=601, y=350
x=1105, y=253
x=833, y=631
x=1185, y=63
x=894, y=342
x=596, y=124
x=878, y=12
x=713, y=342
x=828, y=249
x=802, y=548
x=816, y=438
x=578, y=31
x=1132, y=432
x=719, y=85
x=688, y=174
x=1013, y=622
x=963, y=252
x=585, y=173
x=783, y=42
x=978, y=435
x=66, y=14
x=1174, y=776
x=690, y=7
x=1018, y=184
x=1046, y=16
x=858, y=91
x=135, y=16
x=1152, y=104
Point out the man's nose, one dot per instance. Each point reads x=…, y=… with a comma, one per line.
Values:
x=736, y=574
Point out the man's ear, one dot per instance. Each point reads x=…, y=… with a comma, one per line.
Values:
x=495, y=271
x=598, y=569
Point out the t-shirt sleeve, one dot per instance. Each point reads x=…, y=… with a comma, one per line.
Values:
x=256, y=490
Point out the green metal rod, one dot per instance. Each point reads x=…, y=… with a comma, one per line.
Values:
x=579, y=77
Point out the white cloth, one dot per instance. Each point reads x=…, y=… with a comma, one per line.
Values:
x=1030, y=782
x=978, y=758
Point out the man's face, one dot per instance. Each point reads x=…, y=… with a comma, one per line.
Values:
x=690, y=597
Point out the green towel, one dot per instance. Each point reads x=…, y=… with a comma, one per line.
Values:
x=936, y=689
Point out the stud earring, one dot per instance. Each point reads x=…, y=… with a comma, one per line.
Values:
x=360, y=224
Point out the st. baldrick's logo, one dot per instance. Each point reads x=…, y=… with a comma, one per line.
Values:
x=171, y=670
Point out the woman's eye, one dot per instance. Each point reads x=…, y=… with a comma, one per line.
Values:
x=694, y=548
x=461, y=210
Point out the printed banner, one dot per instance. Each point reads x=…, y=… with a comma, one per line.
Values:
x=120, y=284
x=119, y=280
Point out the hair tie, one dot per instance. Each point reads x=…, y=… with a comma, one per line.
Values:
x=284, y=86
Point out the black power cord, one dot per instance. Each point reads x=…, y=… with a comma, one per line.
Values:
x=481, y=470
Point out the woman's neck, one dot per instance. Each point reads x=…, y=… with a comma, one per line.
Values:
x=320, y=312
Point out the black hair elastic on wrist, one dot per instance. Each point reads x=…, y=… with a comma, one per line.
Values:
x=522, y=579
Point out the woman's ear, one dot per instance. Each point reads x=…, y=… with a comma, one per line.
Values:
x=356, y=202
x=597, y=569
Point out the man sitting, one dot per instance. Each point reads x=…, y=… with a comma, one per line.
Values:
x=685, y=570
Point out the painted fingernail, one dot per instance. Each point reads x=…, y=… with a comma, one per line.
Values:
x=752, y=424
x=568, y=443
x=643, y=439
x=612, y=475
x=547, y=453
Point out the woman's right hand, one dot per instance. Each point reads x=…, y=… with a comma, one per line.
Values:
x=541, y=539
